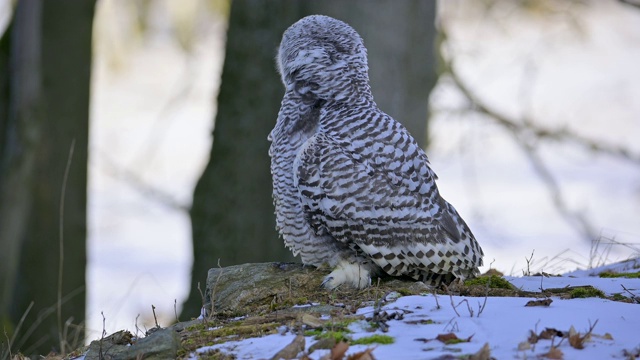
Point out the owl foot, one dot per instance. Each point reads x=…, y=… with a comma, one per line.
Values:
x=351, y=274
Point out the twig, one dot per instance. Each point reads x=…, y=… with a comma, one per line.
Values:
x=8, y=346
x=523, y=131
x=454, y=325
x=631, y=3
x=529, y=128
x=175, y=309
x=19, y=326
x=205, y=315
x=436, y=297
x=213, y=291
x=633, y=296
x=155, y=318
x=104, y=332
x=486, y=296
x=61, y=246
x=468, y=307
x=451, y=298
x=528, y=273
x=138, y=331
x=132, y=179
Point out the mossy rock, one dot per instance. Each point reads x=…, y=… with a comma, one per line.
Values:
x=494, y=282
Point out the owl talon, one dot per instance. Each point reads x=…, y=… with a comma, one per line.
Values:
x=325, y=281
x=351, y=274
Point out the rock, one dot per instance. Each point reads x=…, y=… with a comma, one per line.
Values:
x=161, y=344
x=292, y=350
x=236, y=288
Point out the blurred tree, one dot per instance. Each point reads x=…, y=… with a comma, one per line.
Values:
x=232, y=214
x=45, y=66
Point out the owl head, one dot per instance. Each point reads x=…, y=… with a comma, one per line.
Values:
x=323, y=58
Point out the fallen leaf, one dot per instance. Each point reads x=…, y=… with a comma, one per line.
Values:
x=554, y=353
x=362, y=355
x=525, y=345
x=338, y=351
x=420, y=322
x=550, y=333
x=576, y=341
x=533, y=337
x=483, y=354
x=543, y=302
x=607, y=336
x=451, y=338
x=446, y=338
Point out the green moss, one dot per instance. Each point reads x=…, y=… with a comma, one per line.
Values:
x=456, y=341
x=495, y=282
x=586, y=292
x=337, y=330
x=405, y=292
x=618, y=297
x=336, y=335
x=199, y=335
x=374, y=339
x=608, y=274
x=315, y=332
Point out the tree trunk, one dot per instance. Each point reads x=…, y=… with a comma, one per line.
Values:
x=47, y=110
x=400, y=40
x=232, y=215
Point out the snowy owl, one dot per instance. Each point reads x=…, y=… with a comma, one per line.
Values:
x=351, y=188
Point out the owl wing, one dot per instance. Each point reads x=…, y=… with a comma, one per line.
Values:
x=397, y=218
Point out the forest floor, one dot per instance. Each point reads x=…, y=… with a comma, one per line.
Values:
x=592, y=314
x=597, y=316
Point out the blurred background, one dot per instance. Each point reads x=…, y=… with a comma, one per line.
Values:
x=114, y=196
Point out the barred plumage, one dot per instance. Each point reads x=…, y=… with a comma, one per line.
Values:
x=351, y=188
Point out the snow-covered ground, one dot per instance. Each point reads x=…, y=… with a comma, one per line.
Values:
x=505, y=324
x=152, y=109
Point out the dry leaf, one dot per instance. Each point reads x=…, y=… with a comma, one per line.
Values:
x=338, y=351
x=362, y=355
x=576, y=341
x=483, y=354
x=554, y=353
x=550, y=333
x=543, y=302
x=451, y=338
x=447, y=338
x=607, y=336
x=525, y=345
x=533, y=337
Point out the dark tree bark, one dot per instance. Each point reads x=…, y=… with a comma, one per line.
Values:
x=400, y=40
x=45, y=108
x=232, y=215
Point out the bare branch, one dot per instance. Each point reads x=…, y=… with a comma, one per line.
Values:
x=526, y=133
x=526, y=128
x=633, y=3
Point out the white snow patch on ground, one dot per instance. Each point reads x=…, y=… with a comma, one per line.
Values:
x=503, y=324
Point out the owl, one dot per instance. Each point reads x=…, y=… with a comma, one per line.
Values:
x=352, y=189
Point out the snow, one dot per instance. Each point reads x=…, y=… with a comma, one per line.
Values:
x=152, y=117
x=504, y=323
